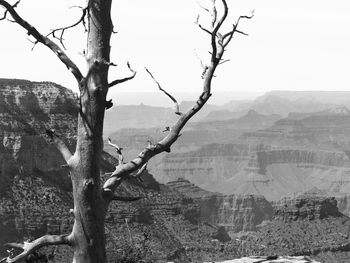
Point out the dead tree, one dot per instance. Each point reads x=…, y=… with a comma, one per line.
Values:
x=91, y=197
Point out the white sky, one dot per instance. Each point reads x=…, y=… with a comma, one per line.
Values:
x=292, y=45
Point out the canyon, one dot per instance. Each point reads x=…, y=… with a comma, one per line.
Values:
x=218, y=195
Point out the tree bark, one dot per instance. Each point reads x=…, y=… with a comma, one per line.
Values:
x=90, y=207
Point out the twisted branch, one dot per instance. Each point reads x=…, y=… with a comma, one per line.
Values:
x=30, y=247
x=229, y=35
x=43, y=39
x=118, y=149
x=177, y=109
x=217, y=50
x=118, y=81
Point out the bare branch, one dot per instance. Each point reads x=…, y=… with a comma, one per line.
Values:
x=30, y=247
x=118, y=149
x=228, y=36
x=204, y=8
x=60, y=145
x=214, y=14
x=108, y=63
x=204, y=66
x=44, y=40
x=118, y=81
x=166, y=129
x=138, y=174
x=63, y=29
x=201, y=27
x=6, y=11
x=224, y=61
x=177, y=111
x=123, y=171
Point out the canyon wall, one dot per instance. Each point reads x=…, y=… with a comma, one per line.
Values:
x=235, y=213
x=258, y=169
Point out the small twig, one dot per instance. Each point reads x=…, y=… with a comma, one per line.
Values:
x=118, y=149
x=138, y=174
x=201, y=27
x=166, y=129
x=224, y=61
x=206, y=9
x=108, y=63
x=63, y=29
x=177, y=111
x=30, y=247
x=118, y=81
x=229, y=35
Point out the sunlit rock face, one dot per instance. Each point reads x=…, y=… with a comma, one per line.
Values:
x=27, y=109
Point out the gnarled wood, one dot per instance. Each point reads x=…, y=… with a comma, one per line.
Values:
x=30, y=247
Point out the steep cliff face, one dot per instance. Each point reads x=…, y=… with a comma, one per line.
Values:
x=26, y=110
x=259, y=169
x=306, y=207
x=235, y=213
x=207, y=167
x=188, y=189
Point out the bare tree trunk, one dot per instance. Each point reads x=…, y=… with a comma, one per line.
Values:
x=90, y=207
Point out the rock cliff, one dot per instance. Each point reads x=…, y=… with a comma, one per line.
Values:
x=306, y=207
x=35, y=196
x=259, y=169
x=26, y=110
x=235, y=213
